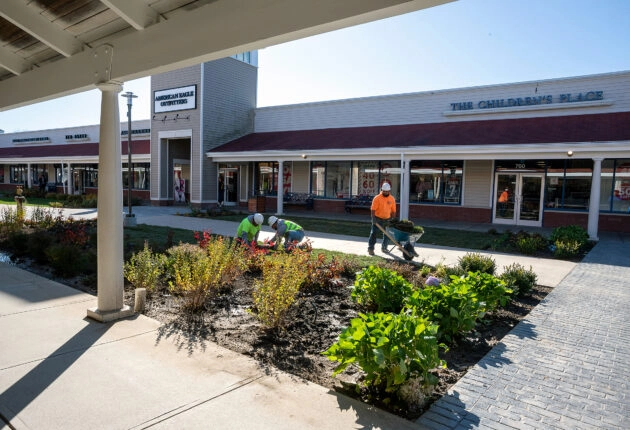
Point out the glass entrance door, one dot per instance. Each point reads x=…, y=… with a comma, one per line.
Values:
x=518, y=199
x=228, y=181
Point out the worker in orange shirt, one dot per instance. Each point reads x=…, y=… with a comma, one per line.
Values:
x=504, y=198
x=383, y=210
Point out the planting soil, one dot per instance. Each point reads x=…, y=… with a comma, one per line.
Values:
x=313, y=324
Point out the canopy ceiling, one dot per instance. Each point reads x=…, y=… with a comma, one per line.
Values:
x=52, y=48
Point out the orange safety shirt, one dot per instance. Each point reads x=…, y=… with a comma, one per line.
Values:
x=384, y=207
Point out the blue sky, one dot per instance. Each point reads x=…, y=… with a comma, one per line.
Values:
x=461, y=44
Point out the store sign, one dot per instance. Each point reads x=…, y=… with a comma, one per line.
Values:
x=528, y=101
x=78, y=136
x=182, y=98
x=139, y=131
x=45, y=139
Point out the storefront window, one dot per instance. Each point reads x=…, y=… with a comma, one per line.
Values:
x=1, y=174
x=390, y=173
x=366, y=180
x=267, y=178
x=140, y=181
x=615, y=186
x=59, y=175
x=434, y=181
x=18, y=174
x=318, y=178
x=568, y=184
x=338, y=179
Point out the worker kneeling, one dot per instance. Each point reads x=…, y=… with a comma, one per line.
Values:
x=249, y=229
x=292, y=233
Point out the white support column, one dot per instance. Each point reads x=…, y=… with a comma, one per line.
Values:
x=110, y=212
x=280, y=205
x=29, y=176
x=593, y=209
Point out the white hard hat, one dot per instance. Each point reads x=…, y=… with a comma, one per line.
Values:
x=386, y=187
x=258, y=219
x=272, y=220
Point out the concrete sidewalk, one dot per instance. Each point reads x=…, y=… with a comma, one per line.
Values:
x=60, y=370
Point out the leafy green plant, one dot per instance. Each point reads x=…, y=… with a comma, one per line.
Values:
x=381, y=289
x=390, y=348
x=491, y=291
x=475, y=262
x=282, y=276
x=144, y=268
x=519, y=279
x=455, y=307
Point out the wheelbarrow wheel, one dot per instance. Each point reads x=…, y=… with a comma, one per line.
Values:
x=410, y=252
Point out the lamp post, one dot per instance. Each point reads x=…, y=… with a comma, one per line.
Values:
x=130, y=96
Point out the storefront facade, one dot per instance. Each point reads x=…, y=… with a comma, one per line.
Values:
x=65, y=160
x=560, y=147
x=541, y=153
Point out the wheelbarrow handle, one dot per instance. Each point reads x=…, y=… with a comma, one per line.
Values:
x=395, y=242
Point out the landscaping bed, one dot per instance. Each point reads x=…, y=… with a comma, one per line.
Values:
x=313, y=325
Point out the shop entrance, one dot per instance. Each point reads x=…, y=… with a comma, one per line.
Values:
x=228, y=186
x=518, y=198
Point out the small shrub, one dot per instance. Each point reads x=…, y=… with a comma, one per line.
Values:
x=568, y=240
x=475, y=262
x=66, y=260
x=144, y=268
x=444, y=273
x=392, y=349
x=569, y=233
x=9, y=219
x=381, y=289
x=196, y=272
x=519, y=279
x=566, y=248
x=530, y=244
x=282, y=276
x=17, y=242
x=38, y=243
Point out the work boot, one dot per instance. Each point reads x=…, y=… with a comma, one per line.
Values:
x=370, y=251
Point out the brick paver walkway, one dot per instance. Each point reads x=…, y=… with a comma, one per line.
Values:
x=567, y=366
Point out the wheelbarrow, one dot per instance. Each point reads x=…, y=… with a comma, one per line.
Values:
x=398, y=236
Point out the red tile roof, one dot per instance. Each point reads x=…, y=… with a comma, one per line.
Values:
x=558, y=129
x=70, y=150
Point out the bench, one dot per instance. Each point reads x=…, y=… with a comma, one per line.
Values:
x=358, y=202
x=299, y=199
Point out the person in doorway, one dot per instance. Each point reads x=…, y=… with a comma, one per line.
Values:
x=249, y=229
x=291, y=232
x=221, y=195
x=503, y=202
x=383, y=211
x=42, y=184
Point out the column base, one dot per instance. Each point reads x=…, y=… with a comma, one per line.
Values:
x=107, y=316
x=129, y=220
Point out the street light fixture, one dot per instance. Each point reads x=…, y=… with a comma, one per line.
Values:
x=130, y=96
